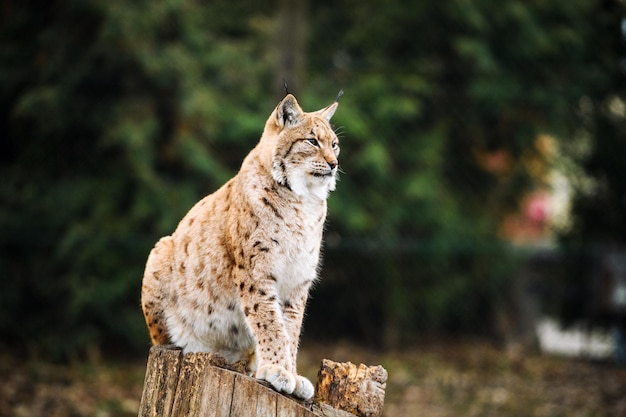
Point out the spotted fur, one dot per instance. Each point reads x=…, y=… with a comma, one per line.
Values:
x=234, y=276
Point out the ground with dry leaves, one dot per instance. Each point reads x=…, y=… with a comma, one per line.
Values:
x=441, y=380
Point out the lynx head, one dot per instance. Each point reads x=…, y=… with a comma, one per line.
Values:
x=305, y=148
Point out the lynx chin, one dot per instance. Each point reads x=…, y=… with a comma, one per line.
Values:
x=234, y=276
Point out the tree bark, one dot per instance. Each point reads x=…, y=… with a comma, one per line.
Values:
x=358, y=390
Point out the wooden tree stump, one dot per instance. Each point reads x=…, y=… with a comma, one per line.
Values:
x=358, y=390
x=202, y=384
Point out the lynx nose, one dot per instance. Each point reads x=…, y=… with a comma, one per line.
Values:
x=332, y=164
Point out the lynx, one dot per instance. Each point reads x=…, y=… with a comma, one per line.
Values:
x=234, y=276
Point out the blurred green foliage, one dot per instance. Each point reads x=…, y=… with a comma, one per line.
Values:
x=115, y=117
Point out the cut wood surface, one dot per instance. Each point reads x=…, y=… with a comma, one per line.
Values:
x=198, y=384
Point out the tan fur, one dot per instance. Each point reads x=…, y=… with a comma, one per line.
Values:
x=234, y=276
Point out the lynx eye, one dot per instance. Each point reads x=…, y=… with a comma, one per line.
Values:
x=313, y=142
x=335, y=145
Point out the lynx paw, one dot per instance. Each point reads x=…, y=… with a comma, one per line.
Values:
x=281, y=379
x=304, y=388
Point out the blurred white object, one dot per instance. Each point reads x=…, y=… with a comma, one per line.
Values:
x=578, y=340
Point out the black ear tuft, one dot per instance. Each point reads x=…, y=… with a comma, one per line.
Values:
x=339, y=94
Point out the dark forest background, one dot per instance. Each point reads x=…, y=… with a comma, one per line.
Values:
x=116, y=116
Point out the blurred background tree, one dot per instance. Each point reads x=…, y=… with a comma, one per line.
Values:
x=116, y=117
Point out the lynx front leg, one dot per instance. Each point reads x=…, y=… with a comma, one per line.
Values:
x=265, y=320
x=293, y=312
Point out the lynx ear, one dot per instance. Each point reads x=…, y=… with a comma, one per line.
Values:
x=288, y=112
x=327, y=112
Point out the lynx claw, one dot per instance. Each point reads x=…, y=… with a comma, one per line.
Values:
x=280, y=378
